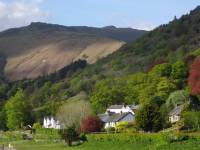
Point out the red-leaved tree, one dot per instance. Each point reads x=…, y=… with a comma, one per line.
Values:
x=194, y=77
x=91, y=124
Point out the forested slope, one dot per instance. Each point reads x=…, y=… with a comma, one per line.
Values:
x=153, y=71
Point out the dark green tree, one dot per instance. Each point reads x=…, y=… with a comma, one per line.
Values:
x=16, y=110
x=161, y=70
x=177, y=97
x=2, y=119
x=108, y=92
x=179, y=74
x=148, y=117
x=192, y=120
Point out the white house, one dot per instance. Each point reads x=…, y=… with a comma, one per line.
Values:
x=118, y=113
x=50, y=122
x=114, y=119
x=174, y=115
x=119, y=109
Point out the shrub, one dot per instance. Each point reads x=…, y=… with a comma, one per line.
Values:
x=130, y=130
x=171, y=137
x=122, y=126
x=37, y=126
x=91, y=124
x=69, y=135
x=192, y=120
x=83, y=137
x=110, y=129
x=10, y=136
x=47, y=134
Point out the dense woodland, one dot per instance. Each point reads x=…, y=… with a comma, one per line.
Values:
x=158, y=71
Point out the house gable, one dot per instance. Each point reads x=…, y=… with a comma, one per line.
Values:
x=174, y=115
x=129, y=118
x=118, y=113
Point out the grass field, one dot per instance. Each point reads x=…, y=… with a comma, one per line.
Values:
x=119, y=142
x=189, y=145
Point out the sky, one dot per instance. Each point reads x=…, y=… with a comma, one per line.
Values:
x=139, y=14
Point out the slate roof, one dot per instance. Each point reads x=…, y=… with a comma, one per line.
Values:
x=104, y=117
x=176, y=111
x=134, y=107
x=113, y=117
x=116, y=106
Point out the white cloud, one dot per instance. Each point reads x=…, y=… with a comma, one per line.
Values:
x=21, y=12
x=143, y=26
x=123, y=20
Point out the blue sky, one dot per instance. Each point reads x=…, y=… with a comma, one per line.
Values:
x=142, y=14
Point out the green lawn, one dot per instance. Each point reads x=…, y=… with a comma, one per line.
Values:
x=189, y=145
x=116, y=142
x=138, y=141
x=21, y=145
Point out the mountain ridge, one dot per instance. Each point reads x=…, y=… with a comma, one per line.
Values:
x=27, y=48
x=166, y=43
x=128, y=34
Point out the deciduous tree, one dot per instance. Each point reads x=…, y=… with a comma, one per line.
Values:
x=16, y=111
x=91, y=124
x=108, y=92
x=194, y=77
x=73, y=112
x=148, y=117
x=177, y=97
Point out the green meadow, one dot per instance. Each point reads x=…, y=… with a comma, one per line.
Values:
x=124, y=141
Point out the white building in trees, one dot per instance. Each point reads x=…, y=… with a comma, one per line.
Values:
x=175, y=114
x=51, y=123
x=118, y=113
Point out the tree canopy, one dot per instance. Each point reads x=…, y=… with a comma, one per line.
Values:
x=194, y=76
x=16, y=110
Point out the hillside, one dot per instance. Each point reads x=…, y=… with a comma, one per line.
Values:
x=158, y=71
x=167, y=43
x=42, y=48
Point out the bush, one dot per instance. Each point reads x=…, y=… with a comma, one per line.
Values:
x=83, y=137
x=122, y=126
x=11, y=136
x=37, y=126
x=110, y=129
x=91, y=124
x=47, y=134
x=191, y=120
x=26, y=137
x=69, y=135
x=130, y=130
x=172, y=137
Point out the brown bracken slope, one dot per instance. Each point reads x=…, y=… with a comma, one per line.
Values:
x=41, y=48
